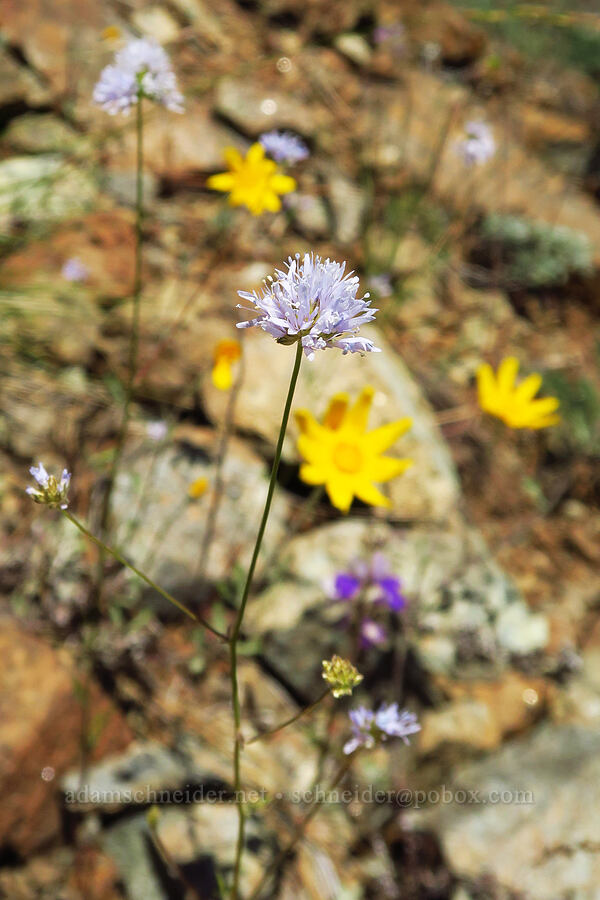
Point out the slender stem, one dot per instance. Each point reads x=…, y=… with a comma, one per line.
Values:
x=298, y=832
x=233, y=640
x=134, y=338
x=290, y=721
x=107, y=549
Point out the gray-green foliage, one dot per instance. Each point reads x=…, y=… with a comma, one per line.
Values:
x=579, y=410
x=535, y=253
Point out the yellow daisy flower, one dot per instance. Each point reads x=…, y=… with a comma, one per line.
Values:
x=227, y=352
x=252, y=181
x=499, y=396
x=341, y=454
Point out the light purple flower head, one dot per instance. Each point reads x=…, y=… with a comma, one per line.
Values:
x=479, y=144
x=370, y=728
x=75, y=270
x=284, y=147
x=141, y=68
x=50, y=492
x=313, y=302
x=157, y=431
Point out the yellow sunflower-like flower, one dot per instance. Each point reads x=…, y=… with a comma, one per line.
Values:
x=252, y=181
x=341, y=454
x=227, y=352
x=515, y=404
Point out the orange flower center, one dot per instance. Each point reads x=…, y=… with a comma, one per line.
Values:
x=347, y=458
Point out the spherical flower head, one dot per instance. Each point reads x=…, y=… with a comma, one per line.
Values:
x=514, y=404
x=341, y=676
x=479, y=144
x=313, y=302
x=342, y=455
x=284, y=147
x=226, y=353
x=49, y=491
x=252, y=181
x=74, y=270
x=370, y=728
x=141, y=69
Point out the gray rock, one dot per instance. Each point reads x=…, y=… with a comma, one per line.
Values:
x=349, y=203
x=541, y=841
x=456, y=591
x=128, y=843
x=39, y=188
x=354, y=47
x=428, y=490
x=161, y=528
x=254, y=110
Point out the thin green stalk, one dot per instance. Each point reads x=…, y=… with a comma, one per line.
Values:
x=107, y=549
x=234, y=637
x=134, y=338
x=298, y=832
x=290, y=721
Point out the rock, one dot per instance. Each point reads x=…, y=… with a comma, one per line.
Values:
x=176, y=148
x=354, y=47
x=254, y=110
x=163, y=528
x=19, y=83
x=309, y=214
x=44, y=133
x=156, y=22
x=520, y=632
x=428, y=490
x=349, y=203
x=39, y=188
x=456, y=595
x=481, y=713
x=538, y=810
x=524, y=182
x=41, y=721
x=128, y=843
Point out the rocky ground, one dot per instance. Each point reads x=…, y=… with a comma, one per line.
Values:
x=494, y=533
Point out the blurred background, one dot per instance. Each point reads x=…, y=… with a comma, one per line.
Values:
x=494, y=533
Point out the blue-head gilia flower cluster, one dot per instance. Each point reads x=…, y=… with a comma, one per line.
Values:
x=313, y=302
x=284, y=147
x=140, y=69
x=50, y=492
x=370, y=728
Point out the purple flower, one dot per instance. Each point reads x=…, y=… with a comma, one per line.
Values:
x=479, y=144
x=372, y=634
x=313, y=302
x=140, y=69
x=284, y=147
x=370, y=728
x=346, y=586
x=391, y=595
x=74, y=270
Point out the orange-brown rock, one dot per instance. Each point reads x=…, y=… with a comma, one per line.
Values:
x=47, y=714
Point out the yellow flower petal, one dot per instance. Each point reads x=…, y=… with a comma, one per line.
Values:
x=233, y=158
x=283, y=184
x=358, y=415
x=507, y=373
x=381, y=439
x=368, y=493
x=383, y=468
x=255, y=154
x=311, y=474
x=197, y=488
x=336, y=411
x=528, y=388
x=340, y=493
x=222, y=376
x=222, y=182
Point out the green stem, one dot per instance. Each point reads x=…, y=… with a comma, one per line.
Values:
x=298, y=832
x=134, y=338
x=234, y=637
x=290, y=721
x=107, y=549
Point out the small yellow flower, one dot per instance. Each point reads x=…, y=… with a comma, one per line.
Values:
x=341, y=454
x=252, y=181
x=499, y=396
x=226, y=353
x=197, y=488
x=111, y=34
x=341, y=676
